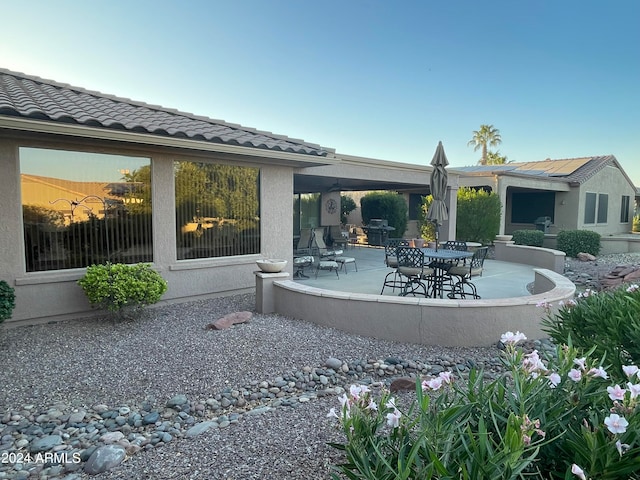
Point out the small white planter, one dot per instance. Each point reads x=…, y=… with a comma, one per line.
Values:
x=504, y=238
x=271, y=266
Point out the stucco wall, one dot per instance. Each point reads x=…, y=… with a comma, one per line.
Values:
x=54, y=295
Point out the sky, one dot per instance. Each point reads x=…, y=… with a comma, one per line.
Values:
x=379, y=79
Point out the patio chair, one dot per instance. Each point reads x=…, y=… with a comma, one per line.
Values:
x=411, y=265
x=319, y=247
x=304, y=243
x=393, y=279
x=464, y=288
x=336, y=237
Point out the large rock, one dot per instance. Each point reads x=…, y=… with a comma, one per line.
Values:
x=104, y=458
x=619, y=275
x=585, y=257
x=229, y=320
x=45, y=443
x=403, y=384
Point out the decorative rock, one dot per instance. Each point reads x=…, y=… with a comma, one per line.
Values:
x=585, y=257
x=45, y=443
x=199, y=428
x=403, y=384
x=177, y=401
x=333, y=363
x=150, y=418
x=229, y=320
x=77, y=417
x=111, y=437
x=104, y=458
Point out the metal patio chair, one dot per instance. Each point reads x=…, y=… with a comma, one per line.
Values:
x=411, y=266
x=464, y=288
x=393, y=279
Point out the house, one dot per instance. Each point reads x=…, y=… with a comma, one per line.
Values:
x=89, y=178
x=588, y=193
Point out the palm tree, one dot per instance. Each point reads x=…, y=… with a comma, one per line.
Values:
x=486, y=136
x=494, y=158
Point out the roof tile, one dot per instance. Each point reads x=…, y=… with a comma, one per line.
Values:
x=32, y=97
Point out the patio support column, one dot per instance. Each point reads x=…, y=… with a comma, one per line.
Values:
x=265, y=295
x=448, y=229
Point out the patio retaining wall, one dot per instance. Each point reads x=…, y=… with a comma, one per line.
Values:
x=507, y=251
x=449, y=323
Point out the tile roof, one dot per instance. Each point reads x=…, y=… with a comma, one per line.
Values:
x=35, y=98
x=571, y=170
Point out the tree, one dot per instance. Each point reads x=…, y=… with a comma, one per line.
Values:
x=386, y=205
x=347, y=205
x=478, y=215
x=494, y=158
x=486, y=136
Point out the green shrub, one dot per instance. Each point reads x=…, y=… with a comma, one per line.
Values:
x=636, y=223
x=427, y=228
x=573, y=242
x=115, y=286
x=386, y=205
x=540, y=419
x=532, y=238
x=478, y=215
x=7, y=301
x=607, y=321
x=347, y=205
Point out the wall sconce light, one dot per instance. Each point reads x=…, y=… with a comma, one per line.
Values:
x=563, y=202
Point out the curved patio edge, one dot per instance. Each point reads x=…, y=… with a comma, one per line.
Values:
x=427, y=321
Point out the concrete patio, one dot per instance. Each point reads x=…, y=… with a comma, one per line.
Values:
x=499, y=279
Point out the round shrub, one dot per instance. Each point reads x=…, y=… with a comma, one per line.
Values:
x=7, y=300
x=533, y=238
x=115, y=286
x=386, y=205
x=573, y=242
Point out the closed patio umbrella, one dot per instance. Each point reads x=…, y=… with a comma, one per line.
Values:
x=438, y=181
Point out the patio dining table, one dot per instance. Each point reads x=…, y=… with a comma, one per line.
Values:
x=440, y=260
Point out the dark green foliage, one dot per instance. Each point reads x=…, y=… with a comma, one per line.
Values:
x=478, y=215
x=532, y=238
x=115, y=286
x=7, y=300
x=427, y=228
x=388, y=206
x=347, y=205
x=573, y=242
x=606, y=321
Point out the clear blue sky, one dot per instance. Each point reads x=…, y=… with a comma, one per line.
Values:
x=381, y=79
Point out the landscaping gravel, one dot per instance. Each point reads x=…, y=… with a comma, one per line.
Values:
x=162, y=397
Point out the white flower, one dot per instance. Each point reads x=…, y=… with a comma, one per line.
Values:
x=630, y=370
x=598, y=372
x=634, y=388
x=616, y=424
x=332, y=413
x=575, y=375
x=578, y=472
x=554, y=379
x=512, y=338
x=622, y=447
x=616, y=392
x=393, y=419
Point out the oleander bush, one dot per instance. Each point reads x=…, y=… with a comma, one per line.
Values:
x=573, y=242
x=543, y=418
x=533, y=238
x=608, y=322
x=478, y=215
x=114, y=286
x=7, y=300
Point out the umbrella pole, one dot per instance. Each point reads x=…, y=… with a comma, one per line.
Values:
x=437, y=234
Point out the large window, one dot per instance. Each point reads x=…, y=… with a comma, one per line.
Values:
x=84, y=208
x=624, y=209
x=595, y=208
x=217, y=210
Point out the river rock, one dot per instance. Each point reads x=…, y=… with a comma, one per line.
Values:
x=104, y=458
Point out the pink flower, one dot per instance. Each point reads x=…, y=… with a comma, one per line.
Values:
x=433, y=384
x=393, y=419
x=372, y=405
x=630, y=370
x=632, y=288
x=512, y=338
x=554, y=379
x=447, y=377
x=634, y=388
x=578, y=472
x=616, y=424
x=598, y=372
x=616, y=392
x=332, y=413
x=543, y=304
x=532, y=363
x=391, y=403
x=580, y=362
x=575, y=375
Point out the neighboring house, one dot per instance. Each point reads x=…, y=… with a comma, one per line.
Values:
x=89, y=178
x=590, y=193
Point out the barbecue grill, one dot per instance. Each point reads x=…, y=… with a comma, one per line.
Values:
x=377, y=231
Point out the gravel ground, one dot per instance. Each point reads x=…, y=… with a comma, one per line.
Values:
x=167, y=351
